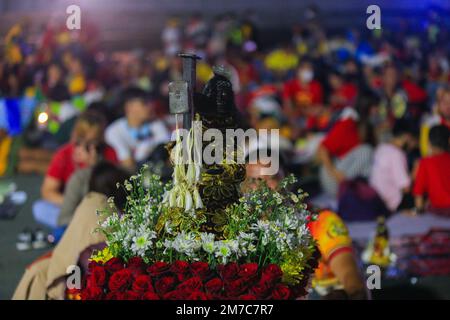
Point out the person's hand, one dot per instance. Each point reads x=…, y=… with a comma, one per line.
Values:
x=86, y=154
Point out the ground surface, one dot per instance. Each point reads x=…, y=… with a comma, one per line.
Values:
x=12, y=261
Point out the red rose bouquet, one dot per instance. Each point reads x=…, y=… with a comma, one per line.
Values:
x=180, y=280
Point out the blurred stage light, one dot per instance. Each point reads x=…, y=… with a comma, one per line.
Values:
x=42, y=117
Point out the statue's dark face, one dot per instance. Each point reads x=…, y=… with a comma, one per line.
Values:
x=219, y=90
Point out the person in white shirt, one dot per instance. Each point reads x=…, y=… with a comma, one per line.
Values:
x=136, y=135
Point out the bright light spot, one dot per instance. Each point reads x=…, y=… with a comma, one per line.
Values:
x=42, y=117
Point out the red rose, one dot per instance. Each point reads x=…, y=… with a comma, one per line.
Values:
x=261, y=290
x=248, y=296
x=281, y=292
x=175, y=295
x=94, y=264
x=97, y=276
x=214, y=285
x=117, y=295
x=136, y=265
x=143, y=283
x=236, y=287
x=114, y=265
x=131, y=295
x=92, y=293
x=165, y=284
x=200, y=269
x=179, y=267
x=120, y=280
x=136, y=262
x=192, y=284
x=197, y=295
x=248, y=270
x=272, y=273
x=229, y=271
x=150, y=296
x=158, y=268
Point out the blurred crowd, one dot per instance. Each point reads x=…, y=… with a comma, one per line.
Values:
x=364, y=115
x=356, y=109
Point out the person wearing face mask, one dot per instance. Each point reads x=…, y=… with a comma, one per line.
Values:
x=390, y=176
x=303, y=96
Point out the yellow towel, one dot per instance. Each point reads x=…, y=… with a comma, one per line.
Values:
x=5, y=147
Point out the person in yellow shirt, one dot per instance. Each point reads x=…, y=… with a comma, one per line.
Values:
x=441, y=116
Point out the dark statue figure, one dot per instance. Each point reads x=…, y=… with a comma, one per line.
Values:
x=220, y=184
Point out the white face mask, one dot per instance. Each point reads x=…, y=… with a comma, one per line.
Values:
x=306, y=76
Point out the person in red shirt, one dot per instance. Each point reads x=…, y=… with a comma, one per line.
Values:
x=346, y=151
x=303, y=96
x=85, y=149
x=341, y=138
x=343, y=94
x=433, y=174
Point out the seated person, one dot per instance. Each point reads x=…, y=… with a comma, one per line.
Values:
x=390, y=176
x=45, y=278
x=441, y=116
x=77, y=187
x=337, y=269
x=433, y=174
x=303, y=98
x=85, y=148
x=346, y=152
x=136, y=135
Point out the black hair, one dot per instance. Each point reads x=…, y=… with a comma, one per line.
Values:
x=132, y=93
x=99, y=107
x=401, y=127
x=367, y=131
x=364, y=101
x=439, y=137
x=104, y=179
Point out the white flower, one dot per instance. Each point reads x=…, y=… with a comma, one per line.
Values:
x=208, y=247
x=207, y=242
x=290, y=223
x=261, y=225
x=142, y=242
x=222, y=251
x=128, y=186
x=186, y=243
x=294, y=198
x=168, y=227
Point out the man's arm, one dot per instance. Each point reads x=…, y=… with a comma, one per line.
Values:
x=114, y=138
x=324, y=157
x=344, y=267
x=50, y=190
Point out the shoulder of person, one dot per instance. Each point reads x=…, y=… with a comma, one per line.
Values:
x=117, y=125
x=94, y=200
x=64, y=151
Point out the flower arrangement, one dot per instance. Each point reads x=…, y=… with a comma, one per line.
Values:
x=182, y=280
x=158, y=248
